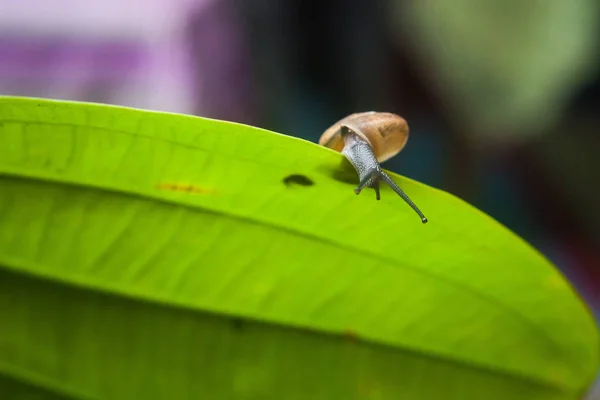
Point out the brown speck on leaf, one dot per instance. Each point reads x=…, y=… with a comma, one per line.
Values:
x=183, y=188
x=351, y=336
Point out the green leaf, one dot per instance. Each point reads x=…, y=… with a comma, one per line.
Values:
x=146, y=255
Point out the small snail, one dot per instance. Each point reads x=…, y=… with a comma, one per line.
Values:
x=366, y=139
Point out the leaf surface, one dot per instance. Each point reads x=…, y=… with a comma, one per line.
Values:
x=153, y=255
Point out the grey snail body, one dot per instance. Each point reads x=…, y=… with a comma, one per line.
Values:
x=367, y=139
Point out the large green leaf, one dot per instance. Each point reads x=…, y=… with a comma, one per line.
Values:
x=146, y=255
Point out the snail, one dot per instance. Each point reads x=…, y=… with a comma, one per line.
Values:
x=367, y=139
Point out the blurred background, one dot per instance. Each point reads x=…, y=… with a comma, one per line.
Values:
x=502, y=96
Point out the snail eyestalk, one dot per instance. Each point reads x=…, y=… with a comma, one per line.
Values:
x=401, y=193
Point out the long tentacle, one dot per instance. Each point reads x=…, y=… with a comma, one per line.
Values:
x=401, y=193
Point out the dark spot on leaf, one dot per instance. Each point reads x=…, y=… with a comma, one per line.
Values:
x=238, y=324
x=296, y=179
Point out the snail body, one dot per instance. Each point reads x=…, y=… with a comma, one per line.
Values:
x=367, y=139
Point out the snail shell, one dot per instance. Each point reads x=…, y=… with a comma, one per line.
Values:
x=385, y=132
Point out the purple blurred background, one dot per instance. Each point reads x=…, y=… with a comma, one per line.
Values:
x=503, y=97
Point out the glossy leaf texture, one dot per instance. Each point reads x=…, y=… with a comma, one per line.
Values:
x=146, y=255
